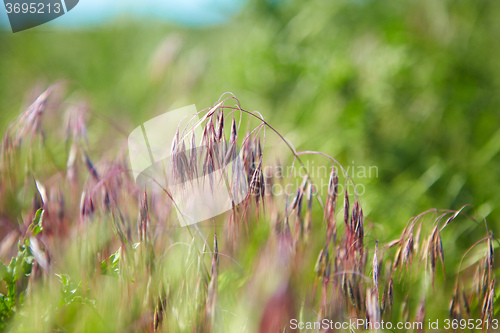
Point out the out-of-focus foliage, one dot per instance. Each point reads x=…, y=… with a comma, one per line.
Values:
x=408, y=86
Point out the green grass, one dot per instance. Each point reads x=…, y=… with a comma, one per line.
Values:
x=103, y=253
x=408, y=87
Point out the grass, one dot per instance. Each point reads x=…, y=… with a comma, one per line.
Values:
x=409, y=87
x=94, y=252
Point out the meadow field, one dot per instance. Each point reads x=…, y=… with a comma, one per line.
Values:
x=357, y=143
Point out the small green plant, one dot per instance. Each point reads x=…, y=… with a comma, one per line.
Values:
x=15, y=276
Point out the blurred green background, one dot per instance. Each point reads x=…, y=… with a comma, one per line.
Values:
x=411, y=87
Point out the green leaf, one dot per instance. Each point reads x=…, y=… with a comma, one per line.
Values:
x=111, y=266
x=3, y=271
x=10, y=277
x=64, y=278
x=37, y=224
x=104, y=266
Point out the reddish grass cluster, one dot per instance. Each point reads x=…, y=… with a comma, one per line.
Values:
x=353, y=276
